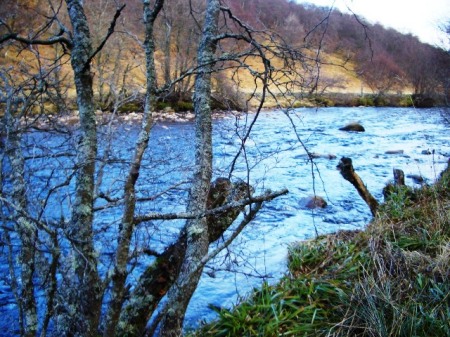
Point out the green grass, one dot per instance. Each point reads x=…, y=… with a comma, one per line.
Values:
x=291, y=308
x=392, y=279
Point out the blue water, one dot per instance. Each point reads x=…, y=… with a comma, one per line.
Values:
x=262, y=249
x=274, y=158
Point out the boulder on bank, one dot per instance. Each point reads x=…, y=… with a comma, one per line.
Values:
x=313, y=202
x=416, y=178
x=355, y=127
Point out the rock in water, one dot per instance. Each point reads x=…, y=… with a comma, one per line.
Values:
x=355, y=127
x=313, y=202
x=394, y=152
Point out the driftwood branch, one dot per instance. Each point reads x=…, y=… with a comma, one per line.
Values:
x=345, y=166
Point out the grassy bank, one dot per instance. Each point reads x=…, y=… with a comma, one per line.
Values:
x=392, y=279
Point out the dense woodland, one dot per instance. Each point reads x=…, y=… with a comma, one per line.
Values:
x=68, y=273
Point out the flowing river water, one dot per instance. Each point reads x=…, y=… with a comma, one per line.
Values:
x=419, y=140
x=274, y=158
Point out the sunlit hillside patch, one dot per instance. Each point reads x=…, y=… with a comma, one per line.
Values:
x=333, y=65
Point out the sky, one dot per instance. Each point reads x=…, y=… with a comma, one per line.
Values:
x=421, y=18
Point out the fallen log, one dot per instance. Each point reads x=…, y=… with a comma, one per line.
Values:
x=345, y=166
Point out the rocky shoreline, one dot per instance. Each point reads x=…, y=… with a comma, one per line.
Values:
x=105, y=117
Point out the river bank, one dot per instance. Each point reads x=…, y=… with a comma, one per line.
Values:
x=182, y=111
x=393, y=278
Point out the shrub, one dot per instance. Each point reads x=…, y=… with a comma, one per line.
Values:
x=162, y=105
x=323, y=101
x=183, y=106
x=365, y=101
x=133, y=106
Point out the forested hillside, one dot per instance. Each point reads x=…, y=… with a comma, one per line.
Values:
x=345, y=54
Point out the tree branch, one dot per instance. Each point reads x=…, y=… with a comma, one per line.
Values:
x=53, y=40
x=190, y=215
x=105, y=39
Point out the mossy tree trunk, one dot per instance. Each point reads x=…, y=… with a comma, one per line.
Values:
x=25, y=229
x=127, y=224
x=161, y=275
x=85, y=290
x=196, y=229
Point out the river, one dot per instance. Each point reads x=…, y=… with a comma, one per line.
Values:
x=262, y=248
x=275, y=158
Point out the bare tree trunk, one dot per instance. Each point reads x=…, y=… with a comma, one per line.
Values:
x=196, y=229
x=26, y=230
x=127, y=225
x=167, y=48
x=85, y=290
x=345, y=166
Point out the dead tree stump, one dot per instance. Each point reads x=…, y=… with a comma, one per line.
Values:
x=393, y=187
x=345, y=166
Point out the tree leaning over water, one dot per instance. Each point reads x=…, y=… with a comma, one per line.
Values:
x=70, y=282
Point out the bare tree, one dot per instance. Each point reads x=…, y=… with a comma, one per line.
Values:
x=17, y=101
x=84, y=288
x=381, y=74
x=177, y=38
x=197, y=229
x=127, y=225
x=89, y=291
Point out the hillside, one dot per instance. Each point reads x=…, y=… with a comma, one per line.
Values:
x=343, y=54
